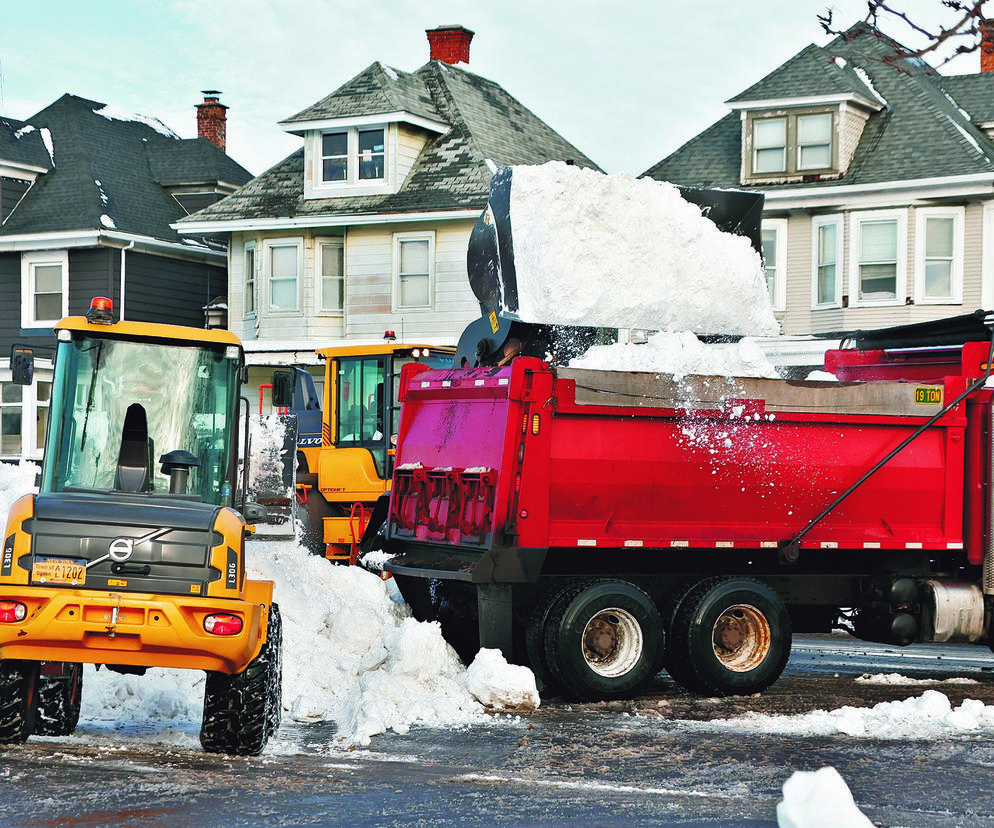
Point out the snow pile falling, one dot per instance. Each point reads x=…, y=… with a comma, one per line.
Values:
x=930, y=715
x=352, y=654
x=819, y=799
x=616, y=251
x=680, y=353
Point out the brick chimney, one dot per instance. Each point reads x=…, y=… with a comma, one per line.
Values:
x=449, y=44
x=986, y=45
x=212, y=118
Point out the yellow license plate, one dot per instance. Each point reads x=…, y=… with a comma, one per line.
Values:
x=59, y=571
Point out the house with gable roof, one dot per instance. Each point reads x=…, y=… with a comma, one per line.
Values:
x=88, y=194
x=878, y=183
x=365, y=227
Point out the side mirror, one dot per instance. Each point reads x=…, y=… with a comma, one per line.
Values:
x=283, y=389
x=22, y=366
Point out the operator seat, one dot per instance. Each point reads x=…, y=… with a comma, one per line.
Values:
x=134, y=461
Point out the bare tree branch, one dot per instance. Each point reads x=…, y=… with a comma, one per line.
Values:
x=963, y=34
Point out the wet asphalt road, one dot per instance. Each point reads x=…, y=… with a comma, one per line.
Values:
x=654, y=761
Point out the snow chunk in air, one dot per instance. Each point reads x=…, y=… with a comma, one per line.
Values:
x=616, y=251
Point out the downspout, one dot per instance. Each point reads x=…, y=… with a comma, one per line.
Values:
x=129, y=245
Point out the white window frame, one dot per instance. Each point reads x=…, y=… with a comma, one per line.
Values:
x=337, y=242
x=267, y=267
x=398, y=239
x=783, y=147
x=856, y=222
x=779, y=263
x=958, y=216
x=801, y=145
x=316, y=187
x=29, y=262
x=250, y=281
x=816, y=224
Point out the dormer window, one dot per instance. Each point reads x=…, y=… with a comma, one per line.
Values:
x=790, y=145
x=353, y=156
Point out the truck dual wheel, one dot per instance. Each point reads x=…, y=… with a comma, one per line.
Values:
x=728, y=636
x=601, y=639
x=243, y=710
x=59, y=699
x=18, y=702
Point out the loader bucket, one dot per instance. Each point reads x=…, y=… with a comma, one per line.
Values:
x=490, y=256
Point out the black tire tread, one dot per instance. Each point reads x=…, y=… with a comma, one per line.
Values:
x=242, y=711
x=683, y=665
x=18, y=706
x=59, y=702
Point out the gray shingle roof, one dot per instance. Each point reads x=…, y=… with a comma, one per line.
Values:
x=21, y=143
x=452, y=172
x=926, y=129
x=102, y=177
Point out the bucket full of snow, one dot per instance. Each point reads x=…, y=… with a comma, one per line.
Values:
x=563, y=245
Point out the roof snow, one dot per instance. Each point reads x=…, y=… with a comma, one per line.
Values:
x=46, y=137
x=113, y=113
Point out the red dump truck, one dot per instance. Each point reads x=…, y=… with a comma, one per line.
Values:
x=601, y=525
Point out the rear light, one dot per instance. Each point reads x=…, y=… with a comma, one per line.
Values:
x=101, y=311
x=12, y=611
x=223, y=624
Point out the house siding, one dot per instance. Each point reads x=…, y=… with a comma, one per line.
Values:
x=800, y=318
x=170, y=291
x=11, y=191
x=10, y=310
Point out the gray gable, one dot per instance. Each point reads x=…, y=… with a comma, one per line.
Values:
x=487, y=127
x=192, y=161
x=923, y=130
x=101, y=178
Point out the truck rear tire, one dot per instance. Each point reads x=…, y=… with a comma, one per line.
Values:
x=729, y=636
x=59, y=700
x=602, y=639
x=18, y=700
x=243, y=710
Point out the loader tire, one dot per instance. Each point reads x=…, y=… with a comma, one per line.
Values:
x=18, y=700
x=59, y=699
x=242, y=711
x=729, y=636
x=602, y=639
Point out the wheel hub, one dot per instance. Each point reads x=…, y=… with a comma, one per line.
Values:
x=612, y=642
x=741, y=638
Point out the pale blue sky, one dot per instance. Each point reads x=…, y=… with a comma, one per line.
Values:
x=627, y=82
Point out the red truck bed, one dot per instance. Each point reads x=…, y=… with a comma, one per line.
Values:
x=530, y=456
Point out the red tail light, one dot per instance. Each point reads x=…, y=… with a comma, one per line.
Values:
x=223, y=624
x=12, y=612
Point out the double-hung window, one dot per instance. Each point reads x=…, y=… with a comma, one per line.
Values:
x=814, y=141
x=250, y=282
x=826, y=262
x=44, y=288
x=414, y=271
x=331, y=267
x=282, y=269
x=769, y=145
x=353, y=156
x=11, y=409
x=790, y=145
x=939, y=255
x=878, y=257
x=774, y=260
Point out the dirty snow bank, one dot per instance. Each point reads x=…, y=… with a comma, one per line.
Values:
x=819, y=799
x=616, y=251
x=928, y=716
x=680, y=353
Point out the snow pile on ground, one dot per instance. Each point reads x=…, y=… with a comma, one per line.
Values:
x=930, y=715
x=352, y=654
x=897, y=678
x=680, y=353
x=616, y=251
x=819, y=799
